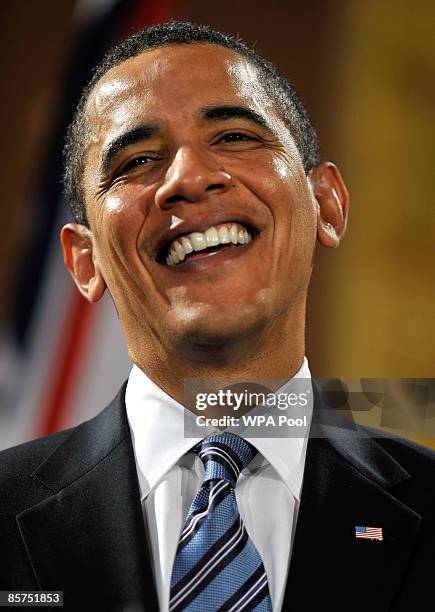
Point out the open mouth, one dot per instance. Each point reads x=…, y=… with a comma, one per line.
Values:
x=213, y=240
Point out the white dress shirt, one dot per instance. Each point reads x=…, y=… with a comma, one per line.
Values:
x=267, y=491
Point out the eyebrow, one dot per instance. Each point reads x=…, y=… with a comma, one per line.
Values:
x=146, y=131
x=225, y=113
x=133, y=136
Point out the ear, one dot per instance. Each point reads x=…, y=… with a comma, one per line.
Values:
x=332, y=200
x=79, y=257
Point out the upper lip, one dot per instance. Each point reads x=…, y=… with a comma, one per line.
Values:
x=201, y=223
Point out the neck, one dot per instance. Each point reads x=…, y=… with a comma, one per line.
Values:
x=275, y=352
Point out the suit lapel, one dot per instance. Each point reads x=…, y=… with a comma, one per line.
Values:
x=87, y=537
x=349, y=480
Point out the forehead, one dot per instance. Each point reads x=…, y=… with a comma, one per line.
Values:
x=172, y=81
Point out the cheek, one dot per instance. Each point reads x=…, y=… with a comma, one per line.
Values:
x=282, y=170
x=120, y=222
x=290, y=177
x=285, y=190
x=281, y=189
x=295, y=183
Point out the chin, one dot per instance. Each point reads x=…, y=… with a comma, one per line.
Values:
x=213, y=327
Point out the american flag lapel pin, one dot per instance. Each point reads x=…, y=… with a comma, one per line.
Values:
x=368, y=533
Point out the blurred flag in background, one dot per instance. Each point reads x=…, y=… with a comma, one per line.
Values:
x=62, y=359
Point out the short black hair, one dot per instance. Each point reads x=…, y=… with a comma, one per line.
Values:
x=280, y=91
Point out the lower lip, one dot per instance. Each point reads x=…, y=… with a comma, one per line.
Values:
x=207, y=261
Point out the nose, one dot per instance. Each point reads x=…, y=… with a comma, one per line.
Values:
x=189, y=179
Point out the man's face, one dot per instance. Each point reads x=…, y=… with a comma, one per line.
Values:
x=184, y=140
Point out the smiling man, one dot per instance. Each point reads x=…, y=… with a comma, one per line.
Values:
x=198, y=195
x=197, y=205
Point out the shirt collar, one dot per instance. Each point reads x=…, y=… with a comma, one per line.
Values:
x=157, y=425
x=287, y=454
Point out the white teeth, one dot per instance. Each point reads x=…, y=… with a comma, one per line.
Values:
x=180, y=251
x=233, y=234
x=187, y=245
x=198, y=241
x=212, y=236
x=224, y=235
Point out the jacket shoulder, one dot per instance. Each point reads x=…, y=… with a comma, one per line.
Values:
x=419, y=462
x=408, y=453
x=24, y=458
x=18, y=465
x=17, y=487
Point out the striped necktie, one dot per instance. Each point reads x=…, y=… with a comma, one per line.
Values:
x=217, y=567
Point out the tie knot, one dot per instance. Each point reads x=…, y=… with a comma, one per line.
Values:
x=224, y=456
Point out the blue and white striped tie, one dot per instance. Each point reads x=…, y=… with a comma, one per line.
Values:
x=217, y=567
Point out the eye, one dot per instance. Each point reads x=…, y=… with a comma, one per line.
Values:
x=236, y=137
x=134, y=163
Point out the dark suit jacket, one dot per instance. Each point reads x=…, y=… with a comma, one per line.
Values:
x=71, y=520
